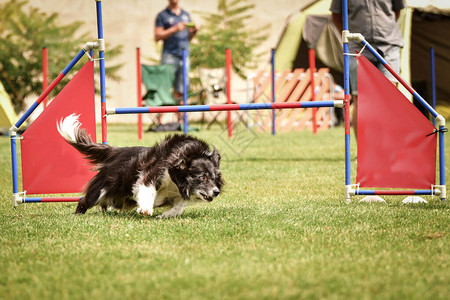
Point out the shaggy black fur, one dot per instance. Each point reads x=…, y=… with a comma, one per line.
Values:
x=191, y=164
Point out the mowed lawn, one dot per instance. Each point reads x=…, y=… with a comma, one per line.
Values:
x=280, y=230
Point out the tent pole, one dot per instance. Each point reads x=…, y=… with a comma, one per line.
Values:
x=433, y=81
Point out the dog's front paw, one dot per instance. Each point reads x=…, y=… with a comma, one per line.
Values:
x=169, y=214
x=145, y=211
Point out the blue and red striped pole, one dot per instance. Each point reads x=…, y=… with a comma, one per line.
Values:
x=228, y=65
x=185, y=91
x=346, y=102
x=223, y=107
x=312, y=70
x=273, y=91
x=139, y=91
x=101, y=54
x=394, y=192
x=50, y=199
x=14, y=166
x=441, y=128
x=47, y=91
x=400, y=79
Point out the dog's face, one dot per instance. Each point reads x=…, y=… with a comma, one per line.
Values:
x=202, y=178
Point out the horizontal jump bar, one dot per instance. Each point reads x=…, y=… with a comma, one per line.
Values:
x=51, y=199
x=396, y=192
x=223, y=107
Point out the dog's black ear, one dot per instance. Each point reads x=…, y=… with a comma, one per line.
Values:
x=215, y=157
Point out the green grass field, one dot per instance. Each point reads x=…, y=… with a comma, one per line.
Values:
x=280, y=230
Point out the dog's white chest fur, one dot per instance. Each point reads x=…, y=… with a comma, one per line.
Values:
x=168, y=194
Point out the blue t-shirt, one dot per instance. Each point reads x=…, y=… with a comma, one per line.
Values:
x=179, y=40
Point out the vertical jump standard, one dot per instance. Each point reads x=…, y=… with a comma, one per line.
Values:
x=401, y=178
x=83, y=175
x=85, y=77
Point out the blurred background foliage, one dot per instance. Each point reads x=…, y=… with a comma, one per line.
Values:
x=24, y=32
x=228, y=28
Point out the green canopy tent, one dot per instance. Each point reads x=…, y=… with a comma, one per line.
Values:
x=8, y=116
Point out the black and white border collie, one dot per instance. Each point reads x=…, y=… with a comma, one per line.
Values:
x=179, y=171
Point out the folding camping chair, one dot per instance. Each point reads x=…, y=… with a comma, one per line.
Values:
x=158, y=81
x=214, y=83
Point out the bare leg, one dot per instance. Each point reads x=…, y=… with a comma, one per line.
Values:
x=178, y=96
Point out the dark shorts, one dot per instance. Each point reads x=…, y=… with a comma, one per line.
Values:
x=392, y=57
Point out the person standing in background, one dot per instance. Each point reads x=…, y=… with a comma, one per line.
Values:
x=376, y=20
x=175, y=28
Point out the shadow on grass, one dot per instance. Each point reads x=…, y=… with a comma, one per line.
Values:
x=285, y=159
x=191, y=213
x=431, y=205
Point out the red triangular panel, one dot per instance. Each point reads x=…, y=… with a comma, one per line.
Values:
x=49, y=164
x=393, y=148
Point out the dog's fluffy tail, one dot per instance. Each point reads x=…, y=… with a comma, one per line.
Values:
x=69, y=129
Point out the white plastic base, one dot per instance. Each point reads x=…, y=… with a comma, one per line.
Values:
x=414, y=199
x=16, y=199
x=372, y=199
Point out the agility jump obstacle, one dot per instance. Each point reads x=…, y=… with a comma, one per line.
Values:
x=285, y=94
x=42, y=172
x=228, y=65
x=68, y=102
x=410, y=138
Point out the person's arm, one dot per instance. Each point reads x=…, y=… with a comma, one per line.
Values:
x=163, y=34
x=397, y=6
x=337, y=20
